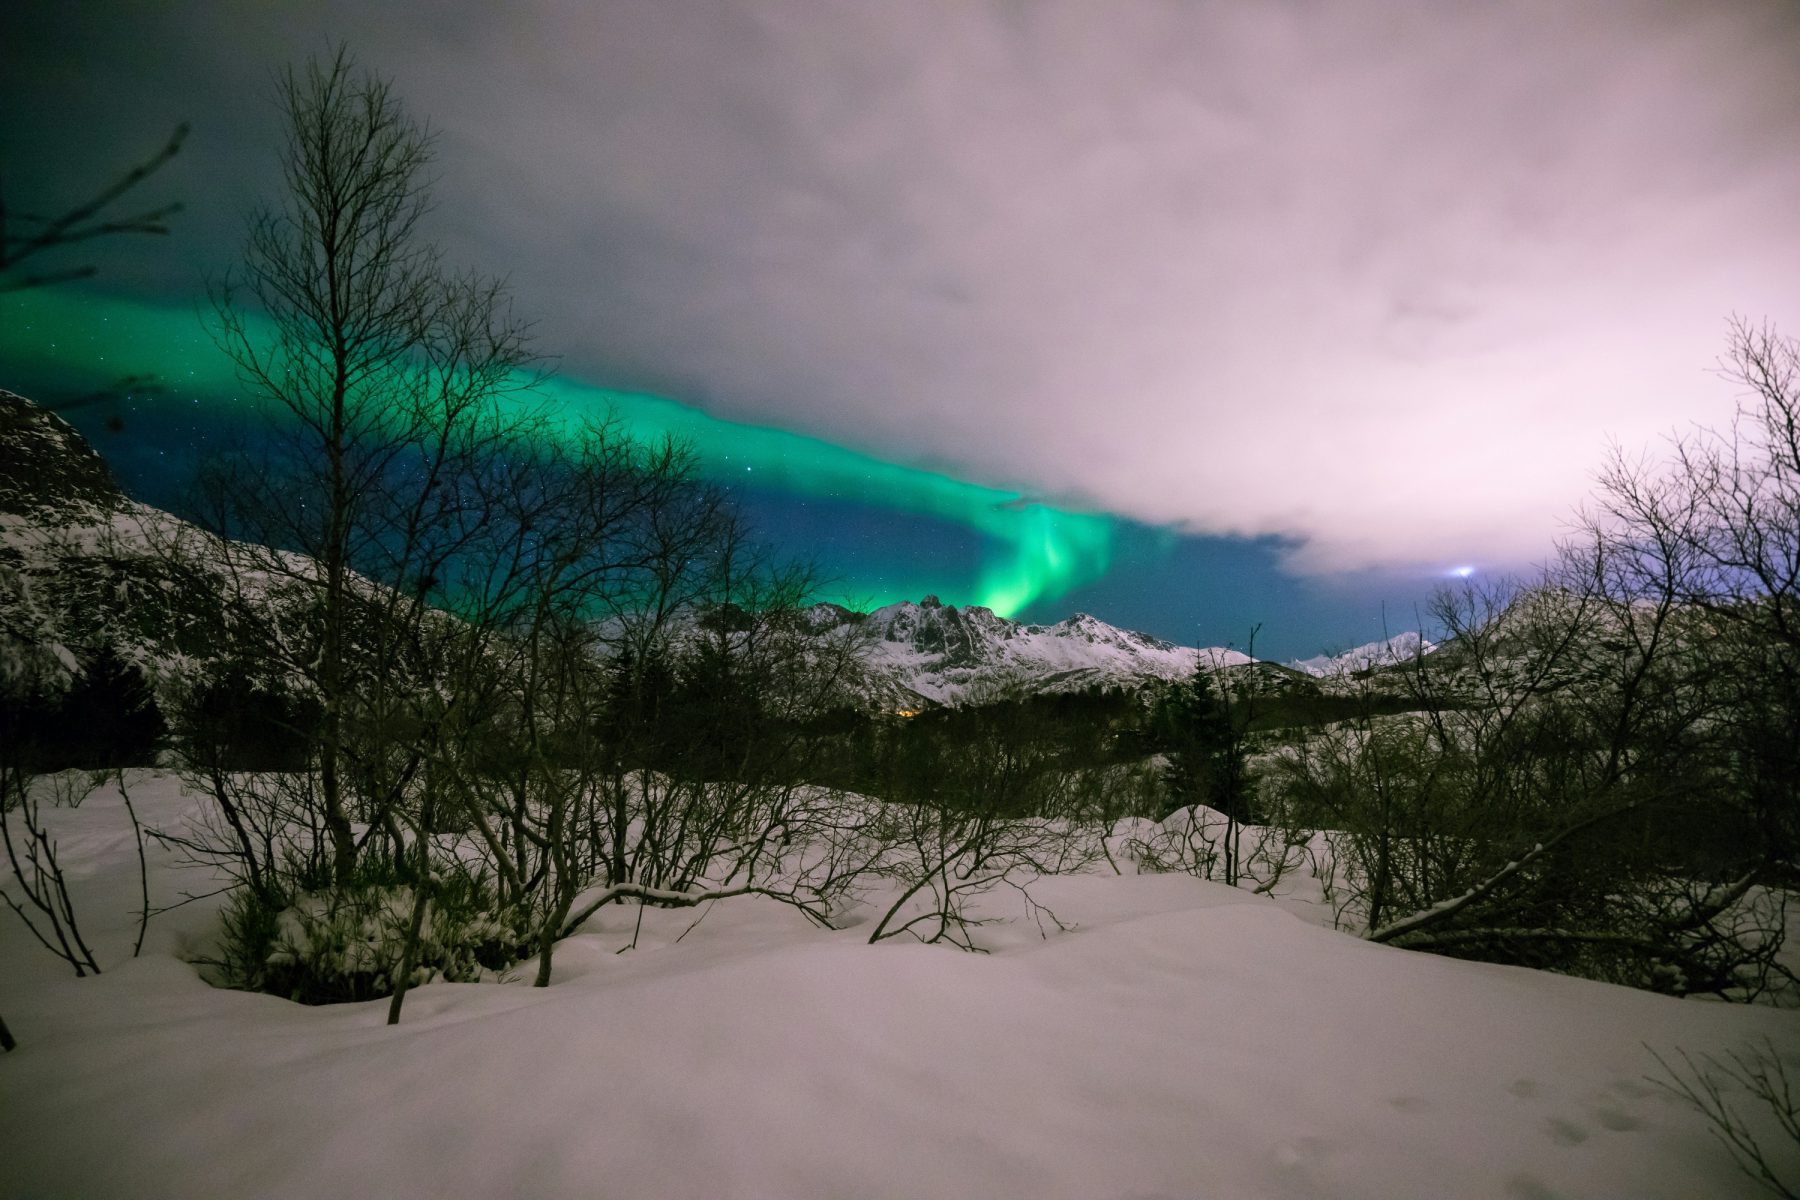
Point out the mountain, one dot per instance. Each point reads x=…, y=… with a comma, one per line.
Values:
x=82, y=566
x=87, y=573
x=48, y=471
x=1402, y=647
x=936, y=653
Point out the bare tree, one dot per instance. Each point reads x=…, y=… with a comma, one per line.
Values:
x=43, y=903
x=1716, y=524
x=25, y=235
x=1560, y=795
x=1761, y=1075
x=981, y=799
x=488, y=610
x=60, y=715
x=386, y=373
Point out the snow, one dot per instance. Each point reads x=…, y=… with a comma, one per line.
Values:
x=949, y=655
x=1402, y=647
x=1181, y=1039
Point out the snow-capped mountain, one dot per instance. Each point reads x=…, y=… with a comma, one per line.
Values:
x=47, y=469
x=1402, y=647
x=82, y=564
x=937, y=653
x=79, y=564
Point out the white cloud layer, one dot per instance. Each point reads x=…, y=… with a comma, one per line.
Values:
x=1381, y=277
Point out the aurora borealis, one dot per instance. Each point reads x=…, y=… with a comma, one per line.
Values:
x=87, y=342
x=880, y=532
x=1192, y=316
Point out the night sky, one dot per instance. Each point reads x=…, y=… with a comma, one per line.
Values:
x=1192, y=316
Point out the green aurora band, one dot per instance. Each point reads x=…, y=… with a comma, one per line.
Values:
x=1033, y=552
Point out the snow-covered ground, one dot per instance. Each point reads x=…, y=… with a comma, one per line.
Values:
x=1402, y=647
x=1183, y=1039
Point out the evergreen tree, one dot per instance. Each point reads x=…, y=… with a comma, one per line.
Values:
x=109, y=716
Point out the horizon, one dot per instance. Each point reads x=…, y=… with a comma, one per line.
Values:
x=934, y=534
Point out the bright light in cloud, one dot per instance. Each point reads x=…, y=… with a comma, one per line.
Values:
x=1383, y=277
x=1461, y=572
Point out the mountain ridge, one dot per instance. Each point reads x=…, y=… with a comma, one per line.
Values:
x=1388, y=652
x=77, y=565
x=945, y=654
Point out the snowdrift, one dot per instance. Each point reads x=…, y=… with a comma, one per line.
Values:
x=1179, y=1039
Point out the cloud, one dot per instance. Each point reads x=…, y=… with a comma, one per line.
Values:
x=1378, y=278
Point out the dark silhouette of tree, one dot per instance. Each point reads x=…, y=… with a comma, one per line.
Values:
x=26, y=235
x=233, y=720
x=385, y=369
x=109, y=714
x=1205, y=726
x=105, y=716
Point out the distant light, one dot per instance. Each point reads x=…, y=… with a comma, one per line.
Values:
x=1461, y=572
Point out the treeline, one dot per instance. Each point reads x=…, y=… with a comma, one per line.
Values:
x=95, y=710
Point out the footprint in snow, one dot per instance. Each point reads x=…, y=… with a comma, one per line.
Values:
x=1300, y=1153
x=1525, y=1187
x=1617, y=1120
x=1564, y=1132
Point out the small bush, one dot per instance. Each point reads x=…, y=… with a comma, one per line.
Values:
x=344, y=945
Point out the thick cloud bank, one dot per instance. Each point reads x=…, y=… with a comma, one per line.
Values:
x=1383, y=278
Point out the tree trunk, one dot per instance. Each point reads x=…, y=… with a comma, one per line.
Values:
x=408, y=955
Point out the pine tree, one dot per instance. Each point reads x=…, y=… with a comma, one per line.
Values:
x=109, y=716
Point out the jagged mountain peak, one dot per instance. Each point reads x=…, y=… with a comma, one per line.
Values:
x=956, y=636
x=950, y=654
x=1402, y=647
x=1090, y=628
x=46, y=466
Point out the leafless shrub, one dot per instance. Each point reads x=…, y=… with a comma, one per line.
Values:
x=943, y=858
x=42, y=899
x=1750, y=1104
